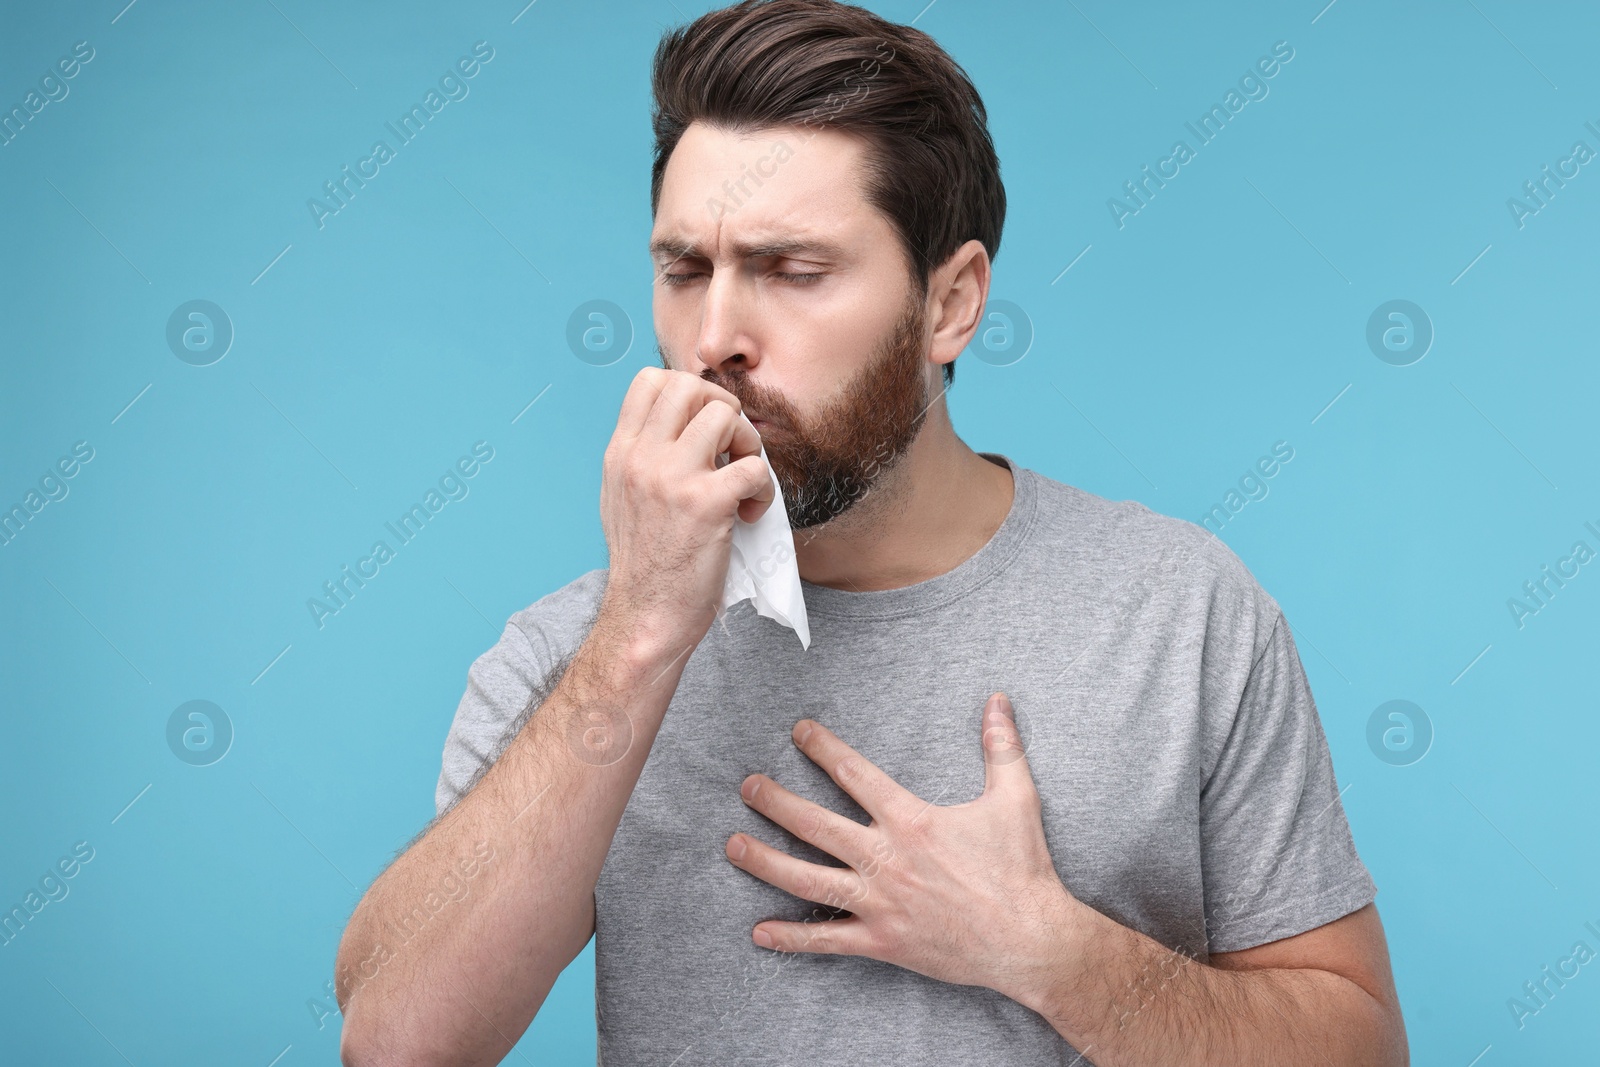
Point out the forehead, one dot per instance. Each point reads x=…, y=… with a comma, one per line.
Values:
x=738, y=194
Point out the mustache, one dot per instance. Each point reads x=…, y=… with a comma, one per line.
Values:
x=758, y=402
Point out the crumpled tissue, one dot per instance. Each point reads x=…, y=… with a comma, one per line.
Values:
x=762, y=564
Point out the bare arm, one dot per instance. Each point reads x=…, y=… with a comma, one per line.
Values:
x=1324, y=997
x=453, y=949
x=419, y=982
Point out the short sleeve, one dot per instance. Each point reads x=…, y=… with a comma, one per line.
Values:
x=1277, y=856
x=500, y=685
x=509, y=682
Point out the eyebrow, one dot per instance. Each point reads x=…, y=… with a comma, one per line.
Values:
x=677, y=246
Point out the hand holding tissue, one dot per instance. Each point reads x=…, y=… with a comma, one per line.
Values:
x=762, y=564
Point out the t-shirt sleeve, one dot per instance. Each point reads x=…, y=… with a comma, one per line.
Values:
x=509, y=682
x=1277, y=856
x=501, y=688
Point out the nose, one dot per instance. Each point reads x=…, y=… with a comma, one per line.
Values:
x=727, y=341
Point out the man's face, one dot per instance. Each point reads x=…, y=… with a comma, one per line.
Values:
x=796, y=297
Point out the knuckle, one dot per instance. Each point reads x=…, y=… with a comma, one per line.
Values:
x=886, y=941
x=814, y=826
x=749, y=473
x=712, y=391
x=806, y=887
x=755, y=472
x=635, y=476
x=713, y=420
x=703, y=502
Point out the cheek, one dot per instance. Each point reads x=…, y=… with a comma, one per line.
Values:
x=664, y=322
x=831, y=347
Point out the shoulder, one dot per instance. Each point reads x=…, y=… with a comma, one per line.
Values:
x=512, y=678
x=535, y=642
x=1135, y=556
x=555, y=624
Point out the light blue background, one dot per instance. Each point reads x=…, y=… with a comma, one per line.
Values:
x=1228, y=314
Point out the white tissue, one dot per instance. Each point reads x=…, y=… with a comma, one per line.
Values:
x=762, y=564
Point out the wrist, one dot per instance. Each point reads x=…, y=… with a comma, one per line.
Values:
x=638, y=649
x=1058, y=955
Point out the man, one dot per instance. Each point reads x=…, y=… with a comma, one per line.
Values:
x=1047, y=787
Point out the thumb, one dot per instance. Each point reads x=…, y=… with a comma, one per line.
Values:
x=1005, y=765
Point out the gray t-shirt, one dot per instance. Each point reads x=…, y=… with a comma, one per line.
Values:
x=1186, y=782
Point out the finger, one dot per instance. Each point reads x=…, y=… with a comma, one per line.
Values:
x=841, y=937
x=715, y=430
x=752, y=483
x=681, y=399
x=636, y=405
x=708, y=433
x=836, y=887
x=1005, y=764
x=836, y=835
x=879, y=795
x=746, y=441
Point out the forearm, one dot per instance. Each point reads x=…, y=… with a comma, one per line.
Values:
x=425, y=975
x=1124, y=999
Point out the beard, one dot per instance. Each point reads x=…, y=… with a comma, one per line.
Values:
x=826, y=463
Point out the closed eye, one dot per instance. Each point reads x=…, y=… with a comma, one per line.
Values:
x=807, y=278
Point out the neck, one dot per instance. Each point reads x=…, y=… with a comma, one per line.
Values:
x=931, y=511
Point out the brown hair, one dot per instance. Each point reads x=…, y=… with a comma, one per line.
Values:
x=930, y=165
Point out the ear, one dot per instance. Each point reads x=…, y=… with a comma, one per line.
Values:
x=957, y=293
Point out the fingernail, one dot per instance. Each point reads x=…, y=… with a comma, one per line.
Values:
x=750, y=788
x=736, y=848
x=763, y=938
x=802, y=731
